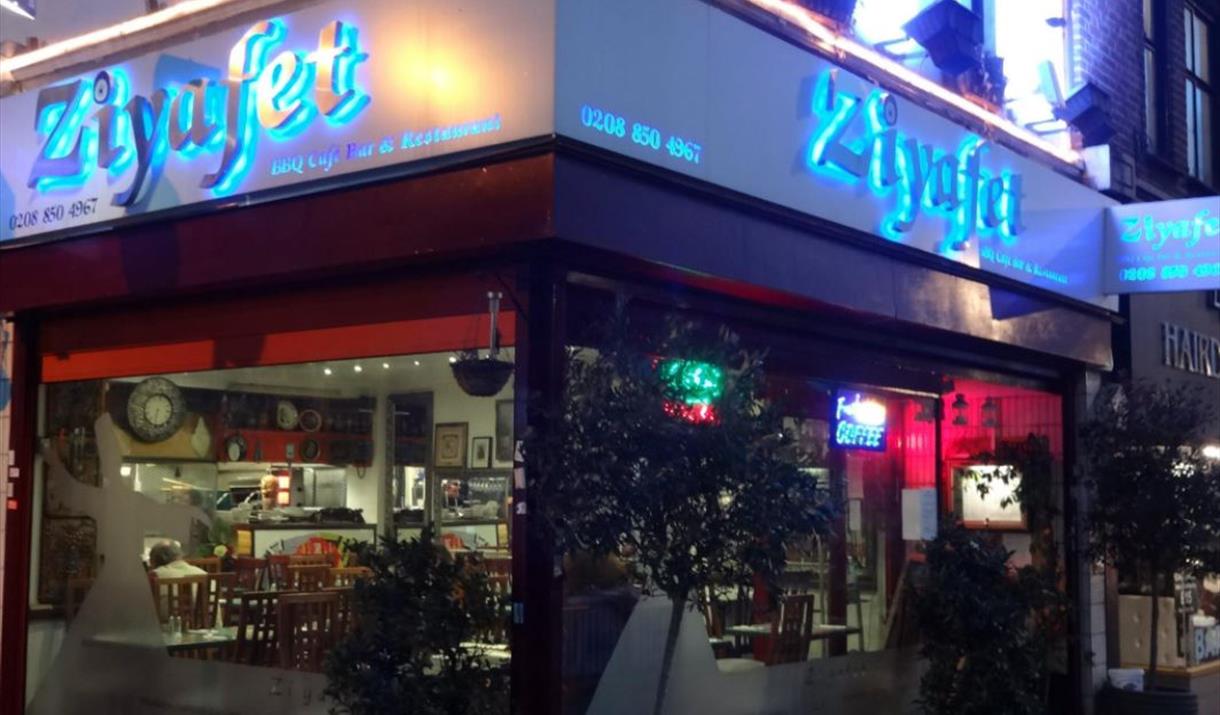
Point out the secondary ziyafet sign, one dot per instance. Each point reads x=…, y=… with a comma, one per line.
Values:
x=268, y=107
x=1163, y=246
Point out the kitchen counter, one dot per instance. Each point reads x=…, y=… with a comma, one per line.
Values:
x=256, y=539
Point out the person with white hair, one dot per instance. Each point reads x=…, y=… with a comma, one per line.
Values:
x=166, y=561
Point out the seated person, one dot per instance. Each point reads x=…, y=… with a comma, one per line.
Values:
x=165, y=560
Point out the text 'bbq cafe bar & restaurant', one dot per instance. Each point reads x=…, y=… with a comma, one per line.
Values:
x=241, y=255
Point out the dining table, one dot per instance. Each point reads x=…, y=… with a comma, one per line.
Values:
x=175, y=642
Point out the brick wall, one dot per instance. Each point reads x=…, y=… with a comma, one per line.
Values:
x=1107, y=49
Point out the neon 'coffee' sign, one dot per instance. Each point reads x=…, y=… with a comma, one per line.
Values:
x=859, y=422
x=859, y=140
x=131, y=135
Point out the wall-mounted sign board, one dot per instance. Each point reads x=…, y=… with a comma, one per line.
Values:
x=1163, y=246
x=296, y=102
x=692, y=88
x=330, y=90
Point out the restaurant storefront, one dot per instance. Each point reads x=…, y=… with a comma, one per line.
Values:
x=239, y=267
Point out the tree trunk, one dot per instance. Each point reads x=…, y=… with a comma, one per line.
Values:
x=1150, y=676
x=678, y=609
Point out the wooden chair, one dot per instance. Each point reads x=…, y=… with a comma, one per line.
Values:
x=307, y=624
x=347, y=576
x=250, y=572
x=185, y=597
x=257, y=621
x=75, y=590
x=345, y=613
x=210, y=564
x=308, y=579
x=313, y=560
x=277, y=571
x=221, y=604
x=792, y=630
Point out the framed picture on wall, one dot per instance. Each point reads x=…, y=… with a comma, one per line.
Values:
x=480, y=453
x=450, y=444
x=504, y=432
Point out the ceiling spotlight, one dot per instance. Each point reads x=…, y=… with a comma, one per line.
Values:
x=327, y=371
x=452, y=359
x=357, y=368
x=417, y=362
x=385, y=366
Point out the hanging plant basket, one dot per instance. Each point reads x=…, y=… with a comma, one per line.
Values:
x=481, y=377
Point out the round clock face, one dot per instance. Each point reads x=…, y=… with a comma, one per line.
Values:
x=156, y=410
x=286, y=415
x=235, y=448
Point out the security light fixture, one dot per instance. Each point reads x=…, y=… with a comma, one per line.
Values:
x=952, y=35
x=1087, y=109
x=839, y=11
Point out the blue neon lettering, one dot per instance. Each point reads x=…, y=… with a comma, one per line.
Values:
x=131, y=135
x=928, y=180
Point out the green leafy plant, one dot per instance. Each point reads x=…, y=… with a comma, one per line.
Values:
x=665, y=449
x=986, y=651
x=1155, y=498
x=405, y=652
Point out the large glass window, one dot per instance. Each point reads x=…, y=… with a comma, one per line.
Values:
x=1200, y=145
x=178, y=512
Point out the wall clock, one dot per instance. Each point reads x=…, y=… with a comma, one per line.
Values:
x=310, y=450
x=235, y=448
x=286, y=415
x=155, y=410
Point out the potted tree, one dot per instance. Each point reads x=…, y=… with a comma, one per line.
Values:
x=404, y=653
x=1155, y=504
x=665, y=448
x=986, y=650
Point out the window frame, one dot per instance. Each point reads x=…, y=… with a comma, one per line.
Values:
x=1194, y=85
x=1153, y=140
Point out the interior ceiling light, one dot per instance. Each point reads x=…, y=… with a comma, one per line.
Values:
x=830, y=40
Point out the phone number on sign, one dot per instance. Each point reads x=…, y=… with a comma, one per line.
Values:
x=649, y=137
x=52, y=214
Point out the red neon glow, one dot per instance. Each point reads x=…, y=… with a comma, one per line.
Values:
x=697, y=413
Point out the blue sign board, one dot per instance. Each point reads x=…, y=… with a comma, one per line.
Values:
x=858, y=421
x=1163, y=246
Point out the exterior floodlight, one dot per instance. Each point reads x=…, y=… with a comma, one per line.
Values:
x=24, y=8
x=1087, y=109
x=952, y=35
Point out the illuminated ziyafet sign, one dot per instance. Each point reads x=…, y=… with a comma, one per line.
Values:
x=269, y=107
x=693, y=88
x=1163, y=246
x=917, y=177
x=858, y=421
x=129, y=136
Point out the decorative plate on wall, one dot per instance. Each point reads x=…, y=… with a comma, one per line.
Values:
x=286, y=415
x=155, y=410
x=310, y=420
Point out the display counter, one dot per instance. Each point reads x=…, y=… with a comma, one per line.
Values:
x=257, y=539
